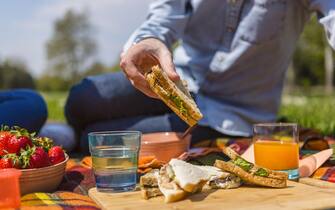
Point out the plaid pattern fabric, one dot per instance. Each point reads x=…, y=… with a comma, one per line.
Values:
x=57, y=201
x=79, y=176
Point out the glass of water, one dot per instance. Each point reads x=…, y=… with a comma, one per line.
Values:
x=115, y=159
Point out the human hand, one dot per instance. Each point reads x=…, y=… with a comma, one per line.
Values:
x=139, y=58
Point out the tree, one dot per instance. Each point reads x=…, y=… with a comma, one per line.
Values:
x=71, y=47
x=313, y=59
x=15, y=74
x=95, y=69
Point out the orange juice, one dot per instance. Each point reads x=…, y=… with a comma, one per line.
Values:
x=277, y=155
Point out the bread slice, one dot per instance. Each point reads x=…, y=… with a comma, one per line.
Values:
x=172, y=192
x=150, y=178
x=250, y=178
x=270, y=173
x=174, y=95
x=168, y=186
x=189, y=177
x=250, y=172
x=150, y=192
x=149, y=184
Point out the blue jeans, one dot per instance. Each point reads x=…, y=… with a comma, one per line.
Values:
x=110, y=102
x=24, y=108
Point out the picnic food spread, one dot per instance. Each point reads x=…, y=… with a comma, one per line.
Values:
x=23, y=150
x=178, y=179
x=174, y=95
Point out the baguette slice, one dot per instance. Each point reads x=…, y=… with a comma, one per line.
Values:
x=251, y=173
x=174, y=95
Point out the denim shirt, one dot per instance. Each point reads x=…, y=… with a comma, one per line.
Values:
x=234, y=53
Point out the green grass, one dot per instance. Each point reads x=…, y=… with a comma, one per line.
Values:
x=314, y=111
x=55, y=102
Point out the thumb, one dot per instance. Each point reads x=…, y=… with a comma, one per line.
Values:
x=168, y=66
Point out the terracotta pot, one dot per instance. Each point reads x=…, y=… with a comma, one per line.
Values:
x=45, y=179
x=164, y=145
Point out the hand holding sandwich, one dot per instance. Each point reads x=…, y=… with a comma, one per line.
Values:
x=140, y=57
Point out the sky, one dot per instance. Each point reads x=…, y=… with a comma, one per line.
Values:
x=25, y=27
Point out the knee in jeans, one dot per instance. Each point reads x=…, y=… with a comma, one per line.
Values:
x=37, y=107
x=77, y=99
x=37, y=102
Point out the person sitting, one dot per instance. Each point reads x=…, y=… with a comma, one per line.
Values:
x=233, y=55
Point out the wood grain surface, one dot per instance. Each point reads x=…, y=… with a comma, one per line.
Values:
x=295, y=196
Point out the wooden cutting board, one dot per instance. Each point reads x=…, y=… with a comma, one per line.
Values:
x=295, y=196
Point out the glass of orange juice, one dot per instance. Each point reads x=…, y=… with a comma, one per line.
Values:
x=276, y=147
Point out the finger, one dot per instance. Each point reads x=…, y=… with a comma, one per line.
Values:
x=167, y=65
x=137, y=79
x=144, y=89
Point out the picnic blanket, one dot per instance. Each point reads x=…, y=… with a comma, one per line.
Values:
x=79, y=176
x=57, y=201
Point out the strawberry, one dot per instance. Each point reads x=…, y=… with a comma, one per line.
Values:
x=34, y=157
x=56, y=155
x=6, y=163
x=4, y=137
x=16, y=143
x=9, y=161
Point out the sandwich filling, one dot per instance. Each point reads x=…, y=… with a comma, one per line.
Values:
x=174, y=94
x=249, y=167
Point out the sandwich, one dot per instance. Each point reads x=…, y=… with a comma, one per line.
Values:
x=174, y=95
x=178, y=179
x=251, y=173
x=218, y=179
x=149, y=184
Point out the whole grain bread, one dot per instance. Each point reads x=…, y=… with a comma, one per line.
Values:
x=167, y=89
x=270, y=181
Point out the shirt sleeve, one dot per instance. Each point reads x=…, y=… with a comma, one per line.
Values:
x=166, y=21
x=326, y=12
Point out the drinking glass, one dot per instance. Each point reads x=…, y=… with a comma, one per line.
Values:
x=276, y=147
x=10, y=188
x=115, y=159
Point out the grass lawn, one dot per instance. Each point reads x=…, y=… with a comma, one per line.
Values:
x=310, y=111
x=55, y=102
x=315, y=111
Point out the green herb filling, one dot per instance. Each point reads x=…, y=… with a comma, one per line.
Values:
x=245, y=165
x=179, y=104
x=262, y=172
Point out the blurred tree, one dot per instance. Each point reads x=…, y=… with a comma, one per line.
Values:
x=71, y=46
x=15, y=74
x=95, y=69
x=308, y=60
x=313, y=59
x=99, y=68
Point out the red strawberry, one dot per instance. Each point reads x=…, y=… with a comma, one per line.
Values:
x=6, y=163
x=9, y=161
x=38, y=158
x=16, y=143
x=56, y=155
x=4, y=137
